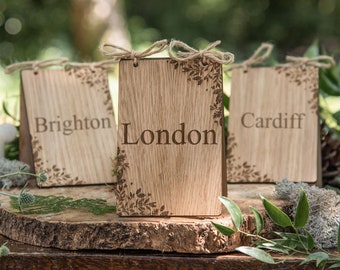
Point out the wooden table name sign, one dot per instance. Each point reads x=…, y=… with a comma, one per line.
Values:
x=170, y=138
x=67, y=122
x=273, y=125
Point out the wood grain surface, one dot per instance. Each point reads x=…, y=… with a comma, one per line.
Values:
x=69, y=127
x=24, y=257
x=171, y=159
x=81, y=230
x=273, y=125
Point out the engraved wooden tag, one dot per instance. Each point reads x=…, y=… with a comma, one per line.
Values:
x=170, y=138
x=273, y=125
x=71, y=125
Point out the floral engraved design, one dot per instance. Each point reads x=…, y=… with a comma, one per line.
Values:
x=135, y=203
x=59, y=175
x=238, y=171
x=95, y=78
x=200, y=70
x=303, y=74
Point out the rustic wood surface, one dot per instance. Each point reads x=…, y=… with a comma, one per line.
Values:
x=273, y=125
x=75, y=229
x=25, y=256
x=68, y=125
x=170, y=123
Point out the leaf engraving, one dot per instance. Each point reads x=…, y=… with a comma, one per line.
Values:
x=199, y=70
x=238, y=171
x=131, y=203
x=303, y=75
x=58, y=175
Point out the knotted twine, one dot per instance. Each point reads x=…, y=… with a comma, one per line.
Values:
x=122, y=53
x=118, y=53
x=36, y=65
x=321, y=61
x=223, y=58
x=261, y=54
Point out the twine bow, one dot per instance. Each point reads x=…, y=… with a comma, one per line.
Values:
x=106, y=64
x=261, y=54
x=321, y=61
x=191, y=53
x=111, y=50
x=35, y=65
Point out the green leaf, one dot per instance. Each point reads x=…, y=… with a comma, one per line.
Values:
x=309, y=241
x=226, y=101
x=302, y=211
x=274, y=247
x=257, y=253
x=4, y=250
x=234, y=211
x=329, y=85
x=223, y=229
x=291, y=240
x=258, y=219
x=339, y=237
x=312, y=50
x=279, y=217
x=336, y=116
x=336, y=265
x=320, y=258
x=4, y=107
x=294, y=240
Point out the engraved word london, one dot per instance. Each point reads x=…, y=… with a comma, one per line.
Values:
x=178, y=136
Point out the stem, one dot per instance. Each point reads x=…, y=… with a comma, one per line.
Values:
x=273, y=242
x=298, y=235
x=18, y=173
x=9, y=195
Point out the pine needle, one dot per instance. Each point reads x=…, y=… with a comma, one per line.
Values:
x=56, y=204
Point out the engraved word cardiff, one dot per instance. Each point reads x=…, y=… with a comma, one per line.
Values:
x=294, y=121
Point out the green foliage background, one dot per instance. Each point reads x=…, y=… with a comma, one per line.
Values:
x=68, y=28
x=241, y=25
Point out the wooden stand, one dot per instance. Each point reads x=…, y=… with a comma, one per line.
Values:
x=24, y=257
x=75, y=230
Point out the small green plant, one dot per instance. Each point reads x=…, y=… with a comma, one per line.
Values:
x=24, y=197
x=4, y=250
x=12, y=148
x=299, y=241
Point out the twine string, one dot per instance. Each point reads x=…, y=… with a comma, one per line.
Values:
x=118, y=53
x=321, y=61
x=260, y=54
x=106, y=64
x=63, y=62
x=191, y=53
x=35, y=65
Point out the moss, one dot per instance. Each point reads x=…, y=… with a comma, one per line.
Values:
x=324, y=206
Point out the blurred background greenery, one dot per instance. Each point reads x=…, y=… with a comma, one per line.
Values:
x=42, y=29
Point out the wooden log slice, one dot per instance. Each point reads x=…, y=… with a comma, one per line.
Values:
x=76, y=229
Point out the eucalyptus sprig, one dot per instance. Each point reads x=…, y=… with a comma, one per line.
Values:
x=299, y=241
x=41, y=177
